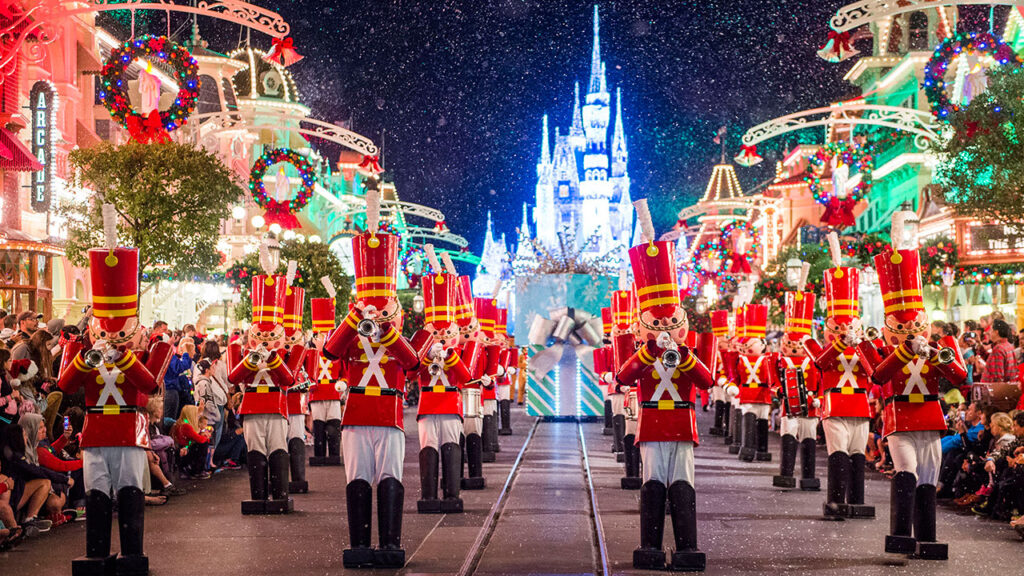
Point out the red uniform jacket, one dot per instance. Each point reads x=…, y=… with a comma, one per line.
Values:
x=910, y=386
x=324, y=375
x=844, y=380
x=509, y=359
x=262, y=388
x=489, y=367
x=295, y=360
x=602, y=366
x=755, y=378
x=666, y=396
x=441, y=393
x=811, y=381
x=375, y=372
x=115, y=397
x=623, y=349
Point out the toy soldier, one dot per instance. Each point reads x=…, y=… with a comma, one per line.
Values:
x=487, y=315
x=441, y=376
x=115, y=435
x=294, y=299
x=731, y=358
x=667, y=375
x=797, y=380
x=754, y=379
x=624, y=345
x=720, y=328
x=909, y=368
x=376, y=357
x=325, y=395
x=263, y=376
x=508, y=366
x=606, y=376
x=621, y=338
x=845, y=415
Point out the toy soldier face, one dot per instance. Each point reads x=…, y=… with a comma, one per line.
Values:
x=754, y=346
x=446, y=336
x=122, y=336
x=268, y=339
x=390, y=312
x=675, y=324
x=792, y=347
x=896, y=331
x=467, y=332
x=834, y=329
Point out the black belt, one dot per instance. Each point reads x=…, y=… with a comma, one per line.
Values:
x=112, y=409
x=675, y=405
x=256, y=389
x=906, y=398
x=840, y=389
x=378, y=391
x=431, y=389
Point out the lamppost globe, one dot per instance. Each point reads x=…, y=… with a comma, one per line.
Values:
x=418, y=304
x=238, y=212
x=794, y=267
x=289, y=235
x=275, y=228
x=257, y=221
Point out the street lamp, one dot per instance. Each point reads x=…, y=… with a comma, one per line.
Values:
x=702, y=304
x=258, y=221
x=274, y=250
x=238, y=212
x=794, y=269
x=418, y=303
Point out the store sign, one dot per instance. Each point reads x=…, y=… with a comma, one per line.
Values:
x=42, y=100
x=994, y=239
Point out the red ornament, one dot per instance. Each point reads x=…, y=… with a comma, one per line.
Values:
x=283, y=52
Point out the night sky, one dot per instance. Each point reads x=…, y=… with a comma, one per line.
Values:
x=458, y=88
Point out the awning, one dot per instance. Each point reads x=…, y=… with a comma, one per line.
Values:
x=14, y=156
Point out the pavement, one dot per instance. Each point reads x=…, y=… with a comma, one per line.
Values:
x=537, y=515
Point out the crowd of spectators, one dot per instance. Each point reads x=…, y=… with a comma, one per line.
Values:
x=195, y=431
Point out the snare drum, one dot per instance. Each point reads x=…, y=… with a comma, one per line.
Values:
x=631, y=407
x=471, y=402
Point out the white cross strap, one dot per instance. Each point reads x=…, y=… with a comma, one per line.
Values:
x=848, y=377
x=665, y=384
x=109, y=386
x=916, y=380
x=373, y=359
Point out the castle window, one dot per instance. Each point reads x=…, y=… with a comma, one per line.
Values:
x=563, y=191
x=918, y=32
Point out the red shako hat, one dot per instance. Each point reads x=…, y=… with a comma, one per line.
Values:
x=799, y=314
x=439, y=297
x=654, y=273
x=115, y=286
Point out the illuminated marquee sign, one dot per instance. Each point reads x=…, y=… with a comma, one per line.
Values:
x=43, y=103
x=985, y=239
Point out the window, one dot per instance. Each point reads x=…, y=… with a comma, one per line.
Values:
x=229, y=94
x=917, y=37
x=209, y=98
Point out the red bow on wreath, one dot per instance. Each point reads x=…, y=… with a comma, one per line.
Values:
x=839, y=213
x=148, y=129
x=739, y=264
x=280, y=213
x=372, y=163
x=283, y=52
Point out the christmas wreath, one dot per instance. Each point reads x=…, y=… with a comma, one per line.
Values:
x=281, y=212
x=951, y=49
x=155, y=126
x=839, y=210
x=740, y=262
x=700, y=260
x=412, y=263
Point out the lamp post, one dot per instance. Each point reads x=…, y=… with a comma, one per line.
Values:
x=702, y=304
x=418, y=304
x=794, y=268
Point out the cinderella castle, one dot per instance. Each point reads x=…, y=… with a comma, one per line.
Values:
x=582, y=184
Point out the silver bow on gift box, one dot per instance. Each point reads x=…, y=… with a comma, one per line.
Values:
x=577, y=328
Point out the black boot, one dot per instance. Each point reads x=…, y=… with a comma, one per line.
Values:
x=319, y=443
x=787, y=463
x=901, y=514
x=333, y=431
x=650, y=555
x=763, y=455
x=718, y=429
x=924, y=525
x=488, y=446
x=838, y=477
x=131, y=514
x=808, y=449
x=618, y=431
x=428, y=503
x=493, y=434
x=749, y=448
x=359, y=500
x=855, y=496
x=726, y=420
x=98, y=561
x=683, y=502
x=505, y=409
x=279, y=502
x=736, y=431
x=390, y=495
x=257, y=463
x=607, y=418
x=297, y=458
x=474, y=452
x=451, y=463
x=632, y=480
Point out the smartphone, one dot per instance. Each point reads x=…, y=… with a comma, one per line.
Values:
x=67, y=423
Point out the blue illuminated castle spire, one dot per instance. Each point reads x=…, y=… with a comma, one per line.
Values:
x=583, y=182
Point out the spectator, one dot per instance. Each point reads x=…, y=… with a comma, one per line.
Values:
x=1002, y=490
x=32, y=483
x=177, y=383
x=28, y=323
x=160, y=453
x=11, y=322
x=1000, y=366
x=10, y=397
x=156, y=334
x=968, y=425
x=192, y=444
x=37, y=451
x=14, y=532
x=231, y=448
x=213, y=397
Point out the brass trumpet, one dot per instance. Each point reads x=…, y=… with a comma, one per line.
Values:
x=872, y=333
x=945, y=355
x=435, y=369
x=93, y=358
x=367, y=328
x=670, y=358
x=255, y=357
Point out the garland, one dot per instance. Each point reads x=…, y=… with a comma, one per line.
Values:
x=411, y=255
x=741, y=262
x=281, y=212
x=839, y=211
x=155, y=126
x=935, y=85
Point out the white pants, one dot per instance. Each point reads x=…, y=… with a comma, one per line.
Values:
x=735, y=402
x=718, y=394
x=667, y=462
x=503, y=392
x=919, y=453
x=490, y=407
x=438, y=429
x=848, y=435
x=372, y=453
x=618, y=403
x=799, y=427
x=473, y=426
x=759, y=410
x=631, y=426
x=265, y=433
x=110, y=468
x=324, y=410
x=297, y=426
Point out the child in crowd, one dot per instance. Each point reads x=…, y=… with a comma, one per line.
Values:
x=192, y=436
